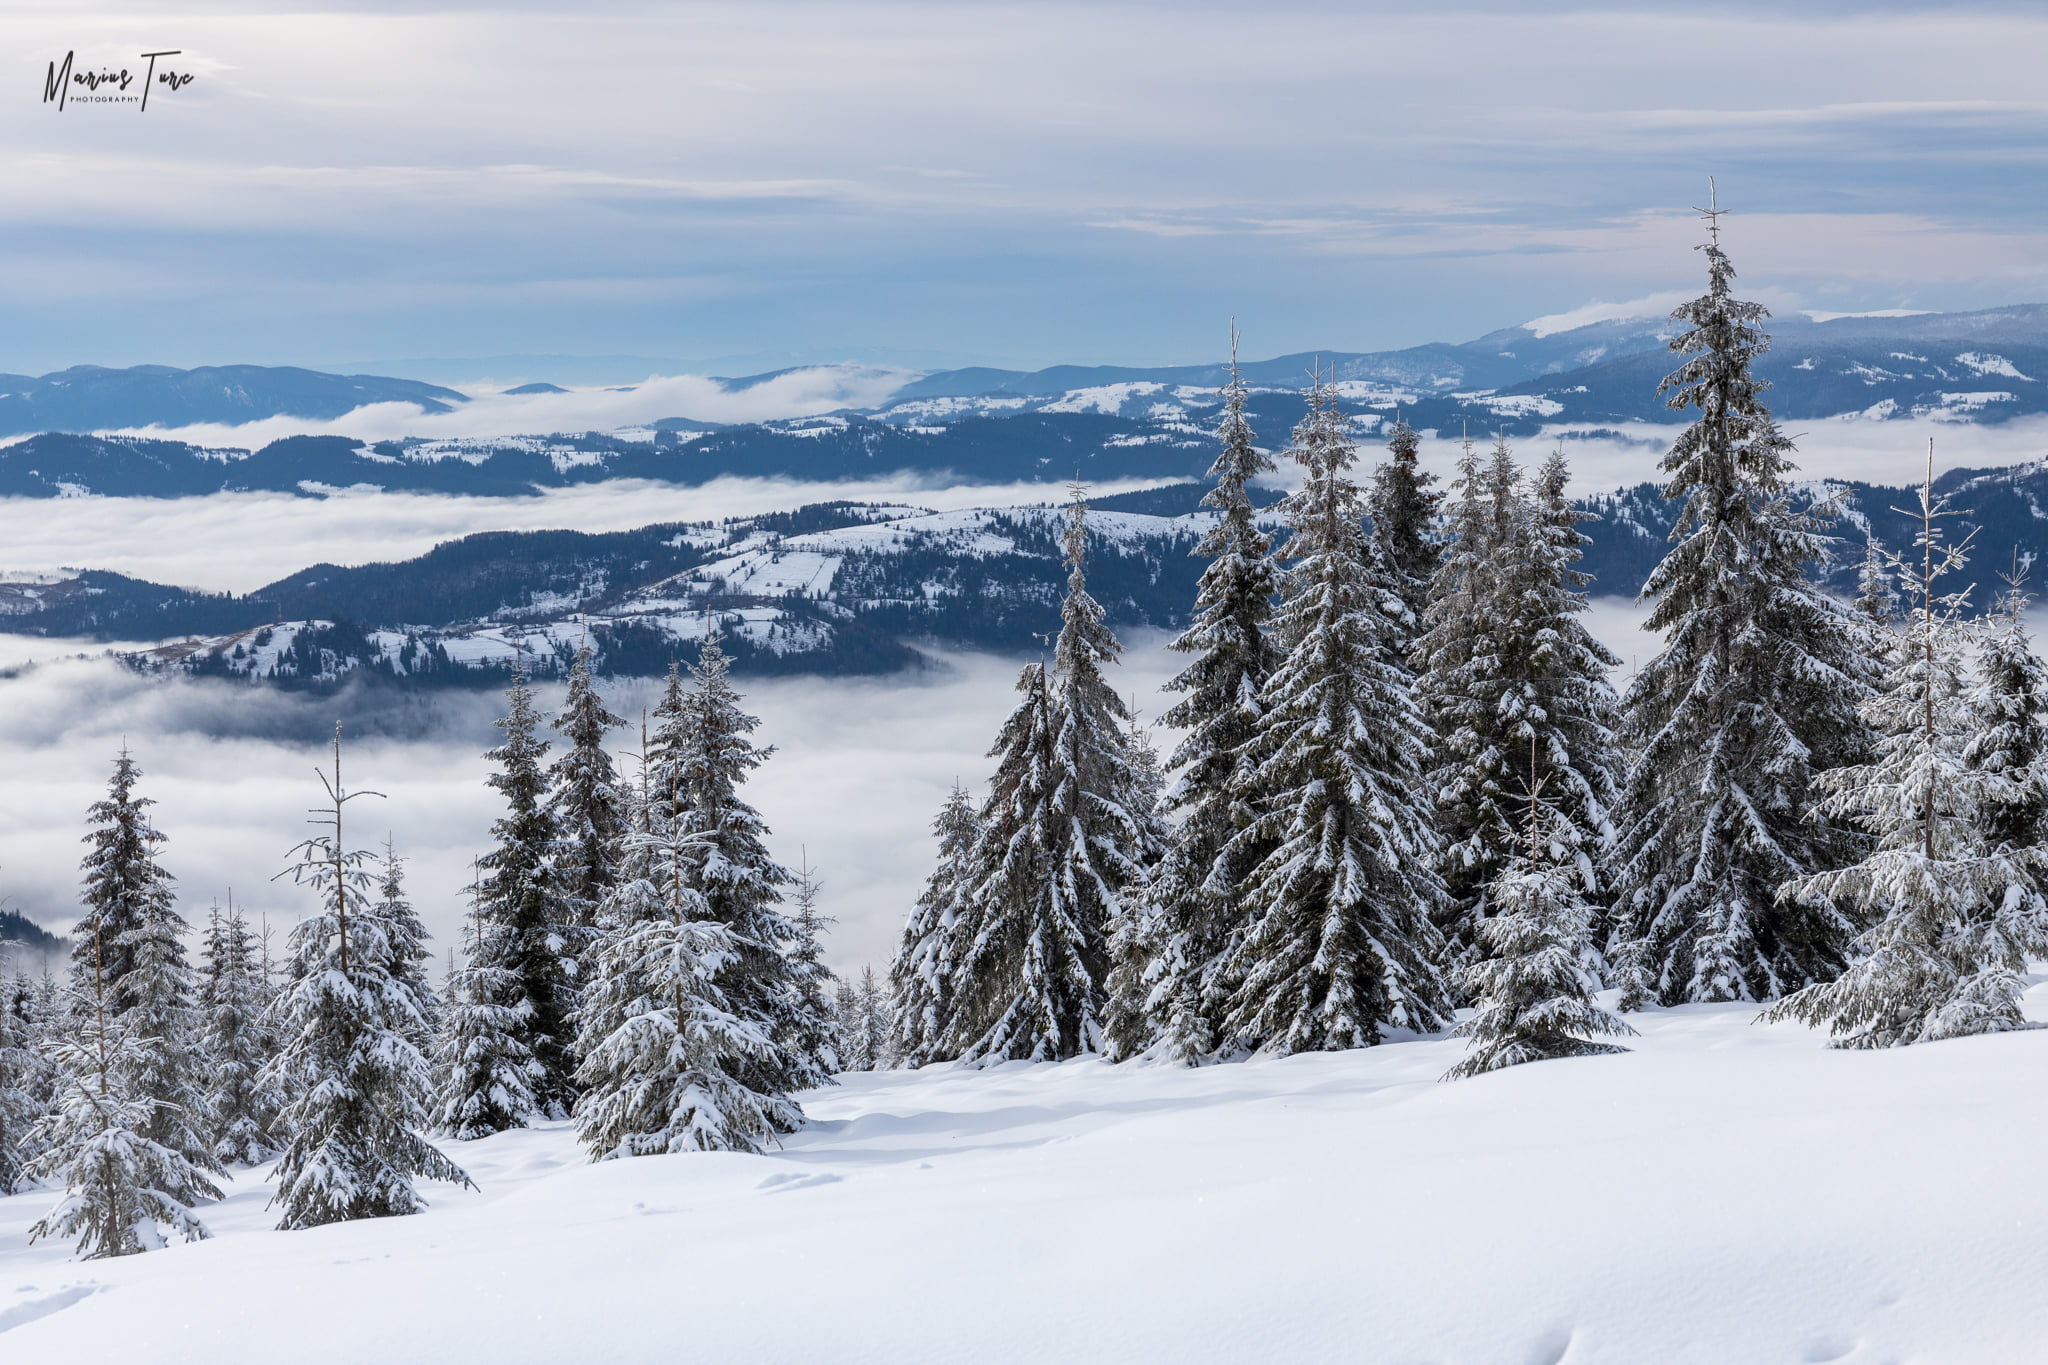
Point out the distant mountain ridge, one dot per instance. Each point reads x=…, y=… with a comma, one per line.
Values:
x=987, y=426
x=829, y=588
x=94, y=398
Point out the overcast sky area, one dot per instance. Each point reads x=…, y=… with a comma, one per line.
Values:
x=745, y=185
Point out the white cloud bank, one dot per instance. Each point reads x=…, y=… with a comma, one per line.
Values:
x=861, y=766
x=1891, y=451
x=490, y=412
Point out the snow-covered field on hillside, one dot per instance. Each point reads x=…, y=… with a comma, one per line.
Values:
x=1727, y=1192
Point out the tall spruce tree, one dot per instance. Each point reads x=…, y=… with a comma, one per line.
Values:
x=2011, y=703
x=484, y=1074
x=1509, y=664
x=1062, y=847
x=142, y=969
x=866, y=1023
x=1340, y=944
x=19, y=1107
x=121, y=1187
x=1874, y=596
x=1569, y=685
x=125, y=889
x=1953, y=914
x=359, y=1086
x=238, y=1044
x=666, y=1059
x=1404, y=511
x=409, y=952
x=1196, y=898
x=933, y=939
x=585, y=803
x=813, y=1033
x=1140, y=936
x=1454, y=665
x=741, y=885
x=1755, y=691
x=40, y=1011
x=1027, y=982
x=1487, y=679
x=522, y=913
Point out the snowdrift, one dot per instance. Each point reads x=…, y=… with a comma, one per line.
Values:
x=1727, y=1192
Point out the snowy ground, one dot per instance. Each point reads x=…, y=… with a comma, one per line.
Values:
x=1725, y=1193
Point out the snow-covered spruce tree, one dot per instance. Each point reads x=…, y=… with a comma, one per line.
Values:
x=20, y=1108
x=1569, y=680
x=40, y=1004
x=1025, y=977
x=1874, y=596
x=523, y=923
x=1061, y=848
x=1876, y=605
x=1139, y=936
x=125, y=888
x=484, y=1075
x=845, y=1014
x=665, y=1058
x=409, y=952
x=741, y=885
x=1196, y=899
x=933, y=940
x=585, y=802
x=1107, y=794
x=1953, y=915
x=1507, y=663
x=1340, y=944
x=877, y=1027
x=121, y=1188
x=238, y=1043
x=864, y=1019
x=359, y=1087
x=814, y=1032
x=1450, y=659
x=1404, y=512
x=143, y=970
x=1532, y=988
x=1755, y=691
x=2011, y=702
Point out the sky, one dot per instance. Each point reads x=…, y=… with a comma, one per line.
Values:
x=738, y=186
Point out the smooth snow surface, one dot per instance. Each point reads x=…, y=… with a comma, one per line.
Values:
x=1725, y=1193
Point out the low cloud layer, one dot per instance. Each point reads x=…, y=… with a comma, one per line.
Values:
x=492, y=412
x=860, y=768
x=1892, y=451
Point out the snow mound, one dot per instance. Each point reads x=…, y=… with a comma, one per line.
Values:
x=1724, y=1192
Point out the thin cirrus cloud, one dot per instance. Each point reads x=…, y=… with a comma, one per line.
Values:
x=1038, y=182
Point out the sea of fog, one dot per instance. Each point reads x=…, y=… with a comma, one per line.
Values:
x=861, y=765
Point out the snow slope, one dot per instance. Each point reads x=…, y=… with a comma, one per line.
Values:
x=1725, y=1193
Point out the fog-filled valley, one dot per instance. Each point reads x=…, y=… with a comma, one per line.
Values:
x=861, y=766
